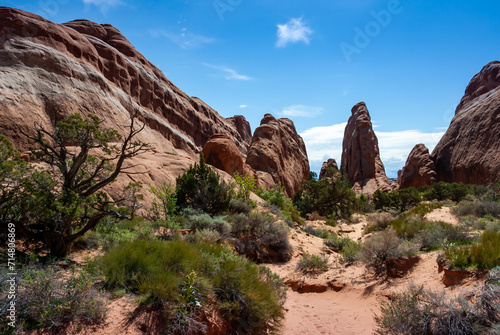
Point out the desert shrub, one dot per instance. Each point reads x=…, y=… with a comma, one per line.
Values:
x=363, y=205
x=245, y=185
x=205, y=236
x=329, y=197
x=46, y=299
x=206, y=222
x=478, y=208
x=434, y=235
x=378, y=222
x=321, y=233
x=351, y=252
x=379, y=249
x=443, y=191
x=112, y=231
x=201, y=188
x=275, y=197
x=260, y=237
x=419, y=311
x=407, y=198
x=383, y=200
x=186, y=278
x=313, y=263
x=484, y=254
x=338, y=242
x=165, y=203
x=240, y=206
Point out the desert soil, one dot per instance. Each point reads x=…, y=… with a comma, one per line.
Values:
x=342, y=300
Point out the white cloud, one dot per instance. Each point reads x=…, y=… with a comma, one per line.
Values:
x=231, y=74
x=301, y=111
x=185, y=40
x=243, y=106
x=326, y=142
x=103, y=5
x=293, y=32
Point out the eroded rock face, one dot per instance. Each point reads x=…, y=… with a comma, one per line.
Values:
x=469, y=151
x=278, y=155
x=419, y=169
x=243, y=127
x=360, y=154
x=88, y=68
x=220, y=151
x=85, y=67
x=327, y=167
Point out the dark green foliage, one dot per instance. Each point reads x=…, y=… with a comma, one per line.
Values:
x=418, y=311
x=186, y=277
x=484, y=254
x=329, y=197
x=59, y=204
x=443, y=191
x=48, y=300
x=201, y=188
x=400, y=200
x=260, y=238
x=312, y=263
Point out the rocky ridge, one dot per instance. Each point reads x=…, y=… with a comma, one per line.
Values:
x=88, y=68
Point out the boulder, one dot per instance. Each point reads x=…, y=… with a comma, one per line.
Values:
x=278, y=155
x=419, y=169
x=221, y=152
x=360, y=154
x=469, y=151
x=327, y=168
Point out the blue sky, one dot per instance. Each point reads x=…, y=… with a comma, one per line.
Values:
x=409, y=60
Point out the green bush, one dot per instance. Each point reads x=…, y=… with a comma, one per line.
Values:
x=245, y=185
x=484, y=254
x=418, y=311
x=201, y=188
x=165, y=204
x=46, y=299
x=313, y=263
x=260, y=238
x=443, y=191
x=186, y=278
x=329, y=197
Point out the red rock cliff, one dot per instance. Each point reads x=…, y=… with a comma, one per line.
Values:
x=469, y=151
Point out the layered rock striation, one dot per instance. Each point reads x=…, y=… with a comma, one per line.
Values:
x=469, y=151
x=360, y=154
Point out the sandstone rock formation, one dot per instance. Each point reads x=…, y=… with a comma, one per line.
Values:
x=419, y=169
x=221, y=152
x=469, y=151
x=85, y=67
x=278, y=154
x=360, y=154
x=243, y=127
x=326, y=168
